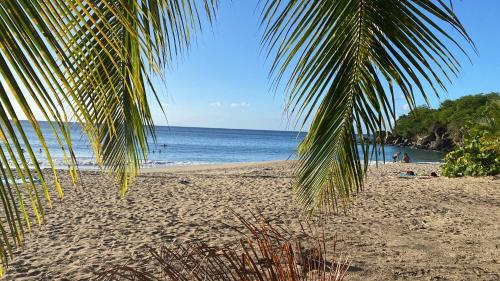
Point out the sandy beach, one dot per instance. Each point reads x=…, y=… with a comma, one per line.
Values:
x=398, y=229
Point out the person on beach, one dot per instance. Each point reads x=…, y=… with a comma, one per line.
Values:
x=406, y=158
x=395, y=156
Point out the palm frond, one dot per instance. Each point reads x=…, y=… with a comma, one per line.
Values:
x=344, y=59
x=87, y=61
x=126, y=43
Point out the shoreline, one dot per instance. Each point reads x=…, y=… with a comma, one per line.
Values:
x=208, y=167
x=236, y=165
x=416, y=148
x=227, y=165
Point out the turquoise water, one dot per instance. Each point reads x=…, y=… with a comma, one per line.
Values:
x=191, y=146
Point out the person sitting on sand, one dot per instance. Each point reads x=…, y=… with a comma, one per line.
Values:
x=395, y=156
x=406, y=158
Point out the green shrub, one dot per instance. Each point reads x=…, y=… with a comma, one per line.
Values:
x=478, y=155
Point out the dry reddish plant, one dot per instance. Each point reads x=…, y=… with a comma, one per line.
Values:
x=266, y=253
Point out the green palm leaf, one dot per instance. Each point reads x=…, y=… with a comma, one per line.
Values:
x=88, y=61
x=343, y=59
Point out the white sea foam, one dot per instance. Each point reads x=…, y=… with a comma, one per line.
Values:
x=86, y=163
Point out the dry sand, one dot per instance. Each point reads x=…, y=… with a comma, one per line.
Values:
x=398, y=229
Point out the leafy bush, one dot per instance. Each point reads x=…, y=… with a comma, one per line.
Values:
x=479, y=155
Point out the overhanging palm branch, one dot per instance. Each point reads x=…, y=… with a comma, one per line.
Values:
x=88, y=61
x=344, y=59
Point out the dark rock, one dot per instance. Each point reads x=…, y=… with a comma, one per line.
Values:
x=184, y=181
x=424, y=141
x=435, y=145
x=437, y=139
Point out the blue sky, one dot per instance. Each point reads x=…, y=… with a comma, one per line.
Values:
x=223, y=80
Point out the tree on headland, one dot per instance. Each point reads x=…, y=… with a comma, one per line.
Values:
x=449, y=122
x=92, y=61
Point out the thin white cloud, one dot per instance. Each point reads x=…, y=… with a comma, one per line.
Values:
x=240, y=104
x=215, y=104
x=406, y=107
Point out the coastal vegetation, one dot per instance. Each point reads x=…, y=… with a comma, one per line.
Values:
x=477, y=155
x=93, y=62
x=467, y=128
x=445, y=127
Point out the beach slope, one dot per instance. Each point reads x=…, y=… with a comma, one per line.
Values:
x=397, y=229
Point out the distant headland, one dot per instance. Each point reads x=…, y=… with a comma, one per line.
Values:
x=443, y=128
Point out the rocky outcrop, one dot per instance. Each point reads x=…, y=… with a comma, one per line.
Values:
x=438, y=139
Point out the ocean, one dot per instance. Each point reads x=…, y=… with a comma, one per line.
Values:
x=181, y=146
